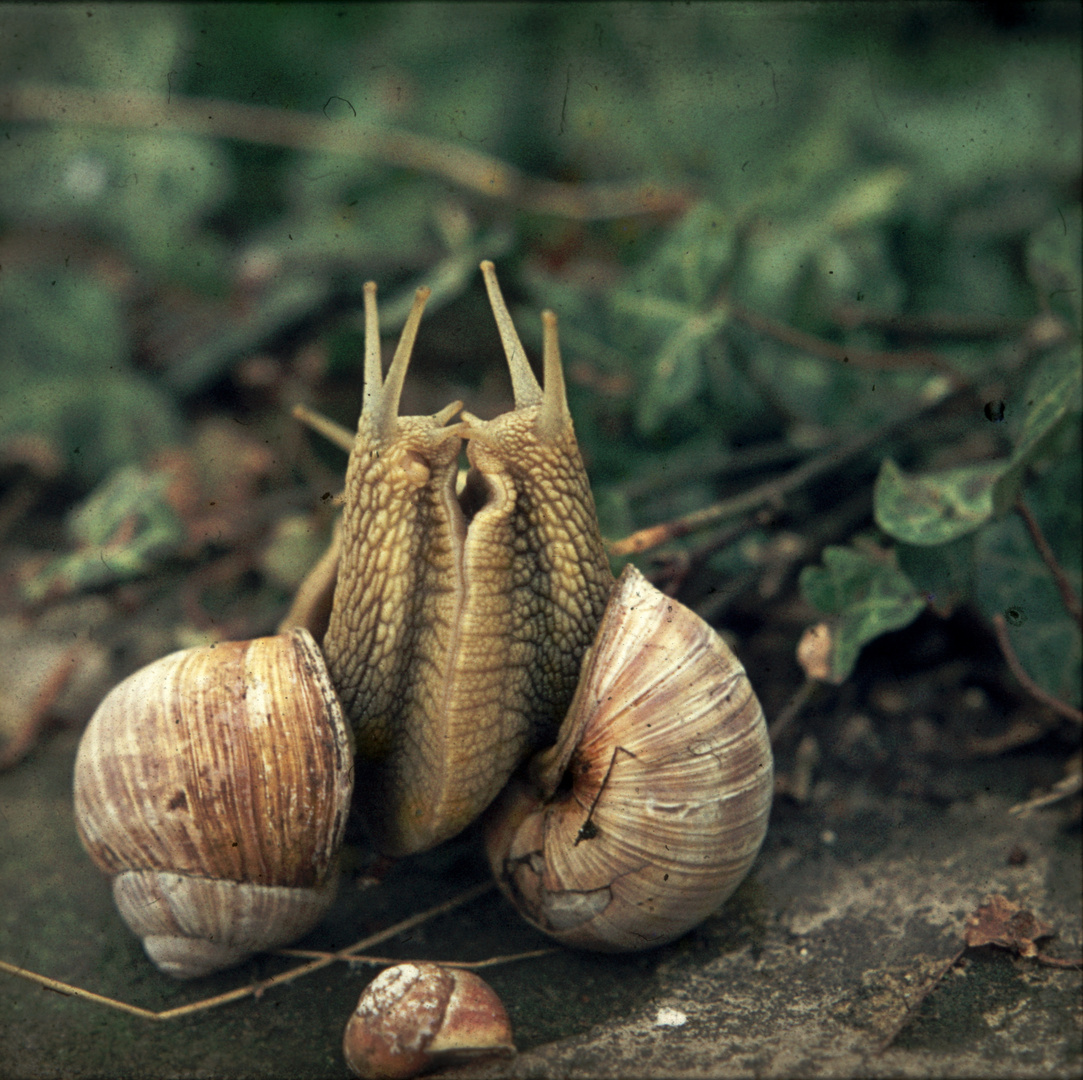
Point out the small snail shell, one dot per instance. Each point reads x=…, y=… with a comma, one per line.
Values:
x=213, y=785
x=416, y=1016
x=651, y=807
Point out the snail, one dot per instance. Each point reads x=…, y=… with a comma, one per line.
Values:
x=465, y=630
x=213, y=786
x=649, y=810
x=414, y=1017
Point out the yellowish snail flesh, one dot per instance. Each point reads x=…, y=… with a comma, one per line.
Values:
x=454, y=622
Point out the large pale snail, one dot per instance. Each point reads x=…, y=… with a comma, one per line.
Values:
x=465, y=629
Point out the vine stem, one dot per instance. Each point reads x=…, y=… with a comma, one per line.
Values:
x=477, y=172
x=1000, y=624
x=1064, y=586
x=771, y=491
x=253, y=989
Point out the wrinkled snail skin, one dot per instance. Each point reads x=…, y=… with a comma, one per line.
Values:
x=459, y=620
x=213, y=787
x=650, y=809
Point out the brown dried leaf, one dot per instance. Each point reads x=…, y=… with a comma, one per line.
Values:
x=1000, y=922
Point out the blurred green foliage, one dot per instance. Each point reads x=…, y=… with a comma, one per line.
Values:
x=868, y=178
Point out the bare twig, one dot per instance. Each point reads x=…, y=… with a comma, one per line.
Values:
x=938, y=326
x=930, y=985
x=1064, y=586
x=1056, y=962
x=492, y=961
x=828, y=350
x=792, y=709
x=258, y=988
x=1064, y=788
x=480, y=173
x=1000, y=624
x=770, y=492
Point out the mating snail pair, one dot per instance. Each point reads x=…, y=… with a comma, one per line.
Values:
x=475, y=657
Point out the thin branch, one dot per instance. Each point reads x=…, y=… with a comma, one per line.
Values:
x=492, y=961
x=1056, y=961
x=913, y=1007
x=324, y=960
x=792, y=709
x=938, y=326
x=1064, y=586
x=828, y=350
x=1064, y=788
x=1000, y=624
x=480, y=173
x=772, y=491
x=68, y=990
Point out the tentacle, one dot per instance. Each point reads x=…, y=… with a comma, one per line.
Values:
x=554, y=418
x=380, y=406
x=524, y=386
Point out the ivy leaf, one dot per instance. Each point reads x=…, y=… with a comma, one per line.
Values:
x=940, y=507
x=943, y=573
x=935, y=507
x=869, y=595
x=1055, y=264
x=1015, y=582
x=121, y=531
x=1053, y=399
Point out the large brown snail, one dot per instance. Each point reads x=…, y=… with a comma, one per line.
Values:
x=465, y=629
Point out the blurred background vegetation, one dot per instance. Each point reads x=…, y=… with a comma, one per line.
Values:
x=817, y=269
x=818, y=274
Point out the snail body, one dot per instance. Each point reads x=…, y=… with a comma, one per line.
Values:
x=459, y=621
x=463, y=630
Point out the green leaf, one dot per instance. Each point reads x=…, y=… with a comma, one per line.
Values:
x=1015, y=583
x=1055, y=264
x=90, y=423
x=121, y=531
x=867, y=592
x=935, y=507
x=943, y=573
x=676, y=373
x=58, y=321
x=1053, y=399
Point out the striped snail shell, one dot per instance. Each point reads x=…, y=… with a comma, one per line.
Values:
x=649, y=810
x=213, y=786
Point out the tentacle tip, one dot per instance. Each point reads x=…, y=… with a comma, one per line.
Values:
x=446, y=413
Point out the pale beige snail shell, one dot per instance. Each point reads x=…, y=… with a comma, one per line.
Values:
x=649, y=810
x=418, y=1016
x=213, y=786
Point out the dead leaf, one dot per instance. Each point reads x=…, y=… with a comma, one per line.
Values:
x=1000, y=922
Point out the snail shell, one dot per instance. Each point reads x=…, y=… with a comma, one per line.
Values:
x=213, y=786
x=649, y=810
x=416, y=1016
